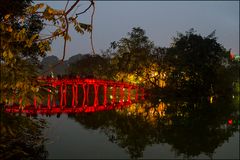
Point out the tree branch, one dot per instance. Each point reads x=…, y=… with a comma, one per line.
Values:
x=65, y=38
x=92, y=3
x=66, y=6
x=50, y=37
x=67, y=29
x=71, y=8
x=91, y=36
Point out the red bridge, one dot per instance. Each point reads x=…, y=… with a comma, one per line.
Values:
x=73, y=95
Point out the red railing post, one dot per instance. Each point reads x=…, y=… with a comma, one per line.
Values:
x=84, y=94
x=76, y=94
x=96, y=95
x=73, y=95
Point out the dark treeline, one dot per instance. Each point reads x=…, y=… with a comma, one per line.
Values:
x=192, y=66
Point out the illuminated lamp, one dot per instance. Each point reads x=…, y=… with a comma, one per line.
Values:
x=230, y=121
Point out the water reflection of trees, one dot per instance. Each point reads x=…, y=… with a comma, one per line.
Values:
x=21, y=137
x=190, y=127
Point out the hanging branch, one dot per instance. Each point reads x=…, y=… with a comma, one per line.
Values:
x=66, y=6
x=71, y=8
x=64, y=14
x=92, y=3
x=65, y=39
x=66, y=30
x=91, y=34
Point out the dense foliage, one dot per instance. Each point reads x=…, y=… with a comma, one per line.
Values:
x=22, y=44
x=192, y=66
x=195, y=63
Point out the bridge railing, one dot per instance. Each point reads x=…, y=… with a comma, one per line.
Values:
x=69, y=88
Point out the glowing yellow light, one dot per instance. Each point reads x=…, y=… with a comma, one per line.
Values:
x=211, y=99
x=111, y=97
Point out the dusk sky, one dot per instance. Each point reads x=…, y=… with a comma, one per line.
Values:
x=160, y=19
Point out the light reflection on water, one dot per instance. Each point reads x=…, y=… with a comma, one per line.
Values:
x=168, y=131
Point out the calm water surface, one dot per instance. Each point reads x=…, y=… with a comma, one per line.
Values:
x=71, y=140
x=173, y=131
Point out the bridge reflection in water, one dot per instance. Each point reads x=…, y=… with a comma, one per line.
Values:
x=82, y=95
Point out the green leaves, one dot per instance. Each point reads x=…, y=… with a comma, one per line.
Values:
x=22, y=44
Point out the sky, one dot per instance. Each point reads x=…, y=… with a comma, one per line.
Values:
x=161, y=20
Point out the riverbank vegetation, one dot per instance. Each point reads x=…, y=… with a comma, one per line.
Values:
x=193, y=65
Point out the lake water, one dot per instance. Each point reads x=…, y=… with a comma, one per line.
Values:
x=71, y=140
x=173, y=130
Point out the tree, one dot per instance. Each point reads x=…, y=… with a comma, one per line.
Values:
x=131, y=55
x=22, y=44
x=194, y=61
x=132, y=51
x=18, y=51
